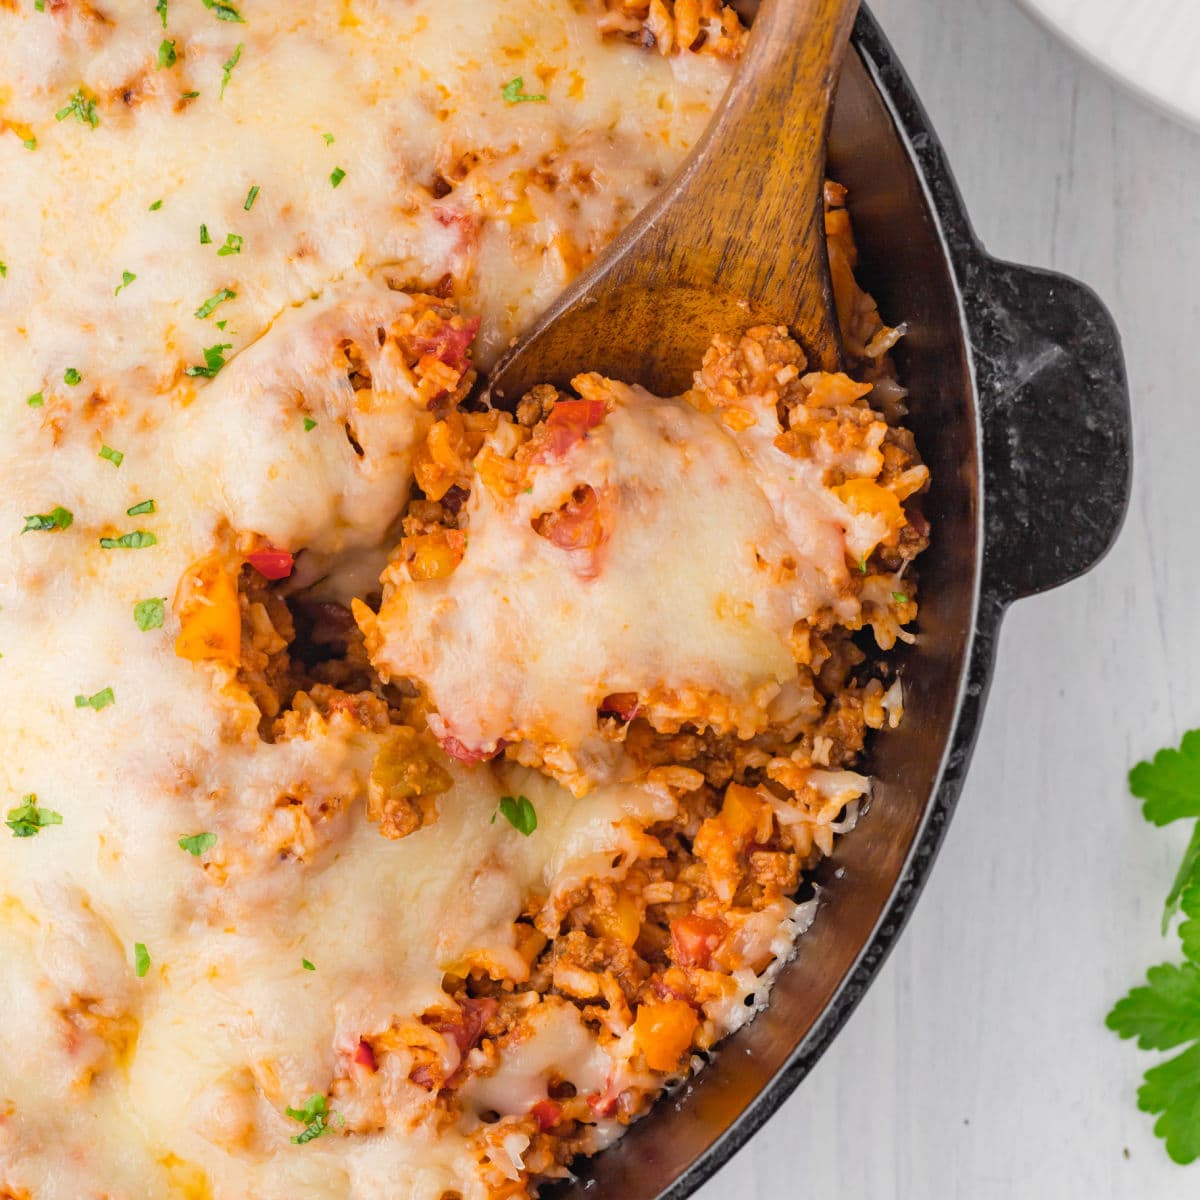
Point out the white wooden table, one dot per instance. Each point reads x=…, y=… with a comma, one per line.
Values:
x=978, y=1065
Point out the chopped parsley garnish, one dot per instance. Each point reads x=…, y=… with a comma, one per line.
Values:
x=144, y=506
x=314, y=1116
x=3, y=270
x=214, y=360
x=221, y=325
x=251, y=196
x=197, y=844
x=82, y=106
x=139, y=539
x=307, y=965
x=204, y=238
x=114, y=456
x=210, y=305
x=862, y=565
x=189, y=95
x=336, y=176
x=167, y=55
x=156, y=206
x=30, y=143
x=149, y=613
x=519, y=812
x=328, y=138
x=309, y=424
x=72, y=377
x=233, y=244
x=227, y=68
x=1164, y=1013
x=36, y=400
x=514, y=92
x=161, y=9
x=39, y=5
x=102, y=699
x=141, y=959
x=127, y=277
x=27, y=819
x=57, y=518
x=224, y=12
x=900, y=597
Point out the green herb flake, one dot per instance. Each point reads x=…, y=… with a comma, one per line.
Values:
x=307, y=965
x=149, y=614
x=127, y=277
x=71, y=377
x=3, y=270
x=80, y=105
x=57, y=518
x=314, y=1116
x=233, y=245
x=39, y=5
x=227, y=68
x=144, y=506
x=204, y=238
x=139, y=539
x=211, y=304
x=519, y=812
x=328, y=138
x=224, y=12
x=161, y=9
x=141, y=959
x=156, y=206
x=30, y=143
x=309, y=424
x=189, y=95
x=114, y=456
x=167, y=54
x=251, y=196
x=214, y=360
x=221, y=325
x=514, y=93
x=899, y=597
x=36, y=400
x=27, y=819
x=337, y=176
x=197, y=844
x=102, y=699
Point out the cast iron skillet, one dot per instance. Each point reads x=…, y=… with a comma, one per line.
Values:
x=1020, y=407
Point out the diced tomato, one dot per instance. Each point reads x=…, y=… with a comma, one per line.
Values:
x=468, y=754
x=620, y=704
x=466, y=1027
x=547, y=1113
x=365, y=1055
x=694, y=940
x=578, y=524
x=603, y=1104
x=272, y=563
x=449, y=344
x=569, y=422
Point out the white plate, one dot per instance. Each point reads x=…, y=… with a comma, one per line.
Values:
x=1151, y=45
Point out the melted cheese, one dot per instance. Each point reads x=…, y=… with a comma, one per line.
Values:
x=715, y=545
x=174, y=1085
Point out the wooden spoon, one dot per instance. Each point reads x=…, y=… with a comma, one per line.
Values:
x=737, y=238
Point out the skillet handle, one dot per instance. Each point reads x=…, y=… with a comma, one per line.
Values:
x=1054, y=407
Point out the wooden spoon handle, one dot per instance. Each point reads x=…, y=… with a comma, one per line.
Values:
x=745, y=214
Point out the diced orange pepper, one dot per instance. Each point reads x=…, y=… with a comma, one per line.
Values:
x=210, y=619
x=741, y=811
x=663, y=1030
x=434, y=555
x=867, y=496
x=622, y=922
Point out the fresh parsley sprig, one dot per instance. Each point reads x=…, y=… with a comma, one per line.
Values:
x=519, y=812
x=1164, y=1013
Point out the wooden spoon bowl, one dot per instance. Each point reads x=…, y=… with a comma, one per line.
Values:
x=737, y=237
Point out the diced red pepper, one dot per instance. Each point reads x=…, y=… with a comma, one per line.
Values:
x=364, y=1056
x=272, y=563
x=694, y=939
x=547, y=1113
x=604, y=1104
x=569, y=422
x=466, y=1028
x=468, y=754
